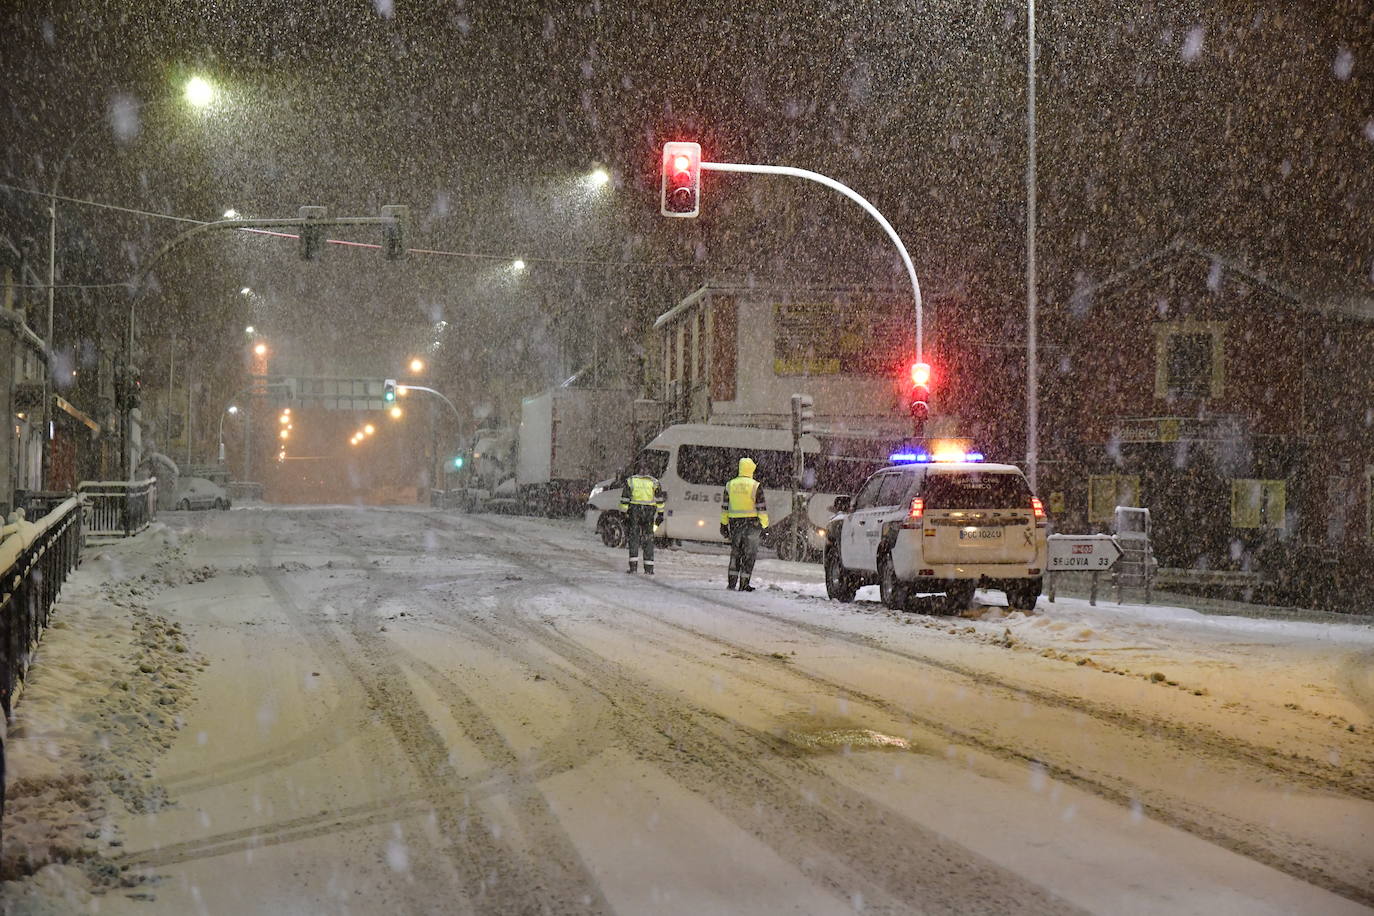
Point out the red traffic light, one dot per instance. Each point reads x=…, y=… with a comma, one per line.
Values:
x=920, y=374
x=680, y=192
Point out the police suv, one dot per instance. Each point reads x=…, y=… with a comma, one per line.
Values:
x=938, y=523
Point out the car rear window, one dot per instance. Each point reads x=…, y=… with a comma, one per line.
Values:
x=975, y=490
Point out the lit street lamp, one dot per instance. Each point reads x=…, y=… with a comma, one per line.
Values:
x=518, y=265
x=199, y=93
x=260, y=349
x=599, y=177
x=232, y=410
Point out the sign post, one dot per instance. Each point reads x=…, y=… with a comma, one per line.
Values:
x=1092, y=553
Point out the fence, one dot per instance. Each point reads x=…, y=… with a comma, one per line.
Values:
x=120, y=508
x=36, y=558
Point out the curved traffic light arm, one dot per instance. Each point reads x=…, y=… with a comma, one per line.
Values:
x=858, y=199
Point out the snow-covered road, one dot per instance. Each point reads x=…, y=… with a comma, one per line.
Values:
x=390, y=710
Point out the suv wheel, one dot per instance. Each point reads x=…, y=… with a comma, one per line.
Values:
x=1022, y=596
x=958, y=595
x=894, y=592
x=839, y=584
x=612, y=529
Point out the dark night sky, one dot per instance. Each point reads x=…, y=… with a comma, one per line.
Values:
x=1249, y=127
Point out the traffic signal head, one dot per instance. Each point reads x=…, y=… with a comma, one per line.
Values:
x=312, y=234
x=389, y=391
x=919, y=402
x=803, y=414
x=458, y=462
x=680, y=192
x=393, y=233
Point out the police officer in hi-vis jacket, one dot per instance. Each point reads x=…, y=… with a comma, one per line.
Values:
x=743, y=516
x=642, y=501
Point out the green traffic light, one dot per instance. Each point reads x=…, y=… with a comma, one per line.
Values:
x=458, y=462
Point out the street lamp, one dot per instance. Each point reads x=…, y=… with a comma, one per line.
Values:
x=599, y=177
x=231, y=213
x=396, y=413
x=199, y=92
x=518, y=265
x=231, y=410
x=260, y=349
x=417, y=366
x=249, y=330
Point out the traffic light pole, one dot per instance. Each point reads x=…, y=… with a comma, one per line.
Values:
x=456, y=415
x=853, y=195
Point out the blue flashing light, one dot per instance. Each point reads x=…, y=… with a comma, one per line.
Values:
x=926, y=457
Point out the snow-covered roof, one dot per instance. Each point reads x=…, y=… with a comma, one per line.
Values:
x=1345, y=299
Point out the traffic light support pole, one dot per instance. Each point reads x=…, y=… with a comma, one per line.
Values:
x=456, y=415
x=858, y=199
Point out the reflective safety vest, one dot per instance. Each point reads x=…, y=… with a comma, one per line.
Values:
x=641, y=490
x=743, y=498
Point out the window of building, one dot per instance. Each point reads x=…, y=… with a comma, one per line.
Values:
x=1258, y=503
x=1189, y=359
x=1107, y=491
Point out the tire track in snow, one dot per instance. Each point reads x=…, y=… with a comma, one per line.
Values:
x=1310, y=772
x=1205, y=823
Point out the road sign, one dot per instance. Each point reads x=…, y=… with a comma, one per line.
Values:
x=1083, y=552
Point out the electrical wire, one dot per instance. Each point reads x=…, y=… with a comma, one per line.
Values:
x=437, y=252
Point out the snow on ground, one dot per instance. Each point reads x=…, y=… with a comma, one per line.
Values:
x=304, y=692
x=105, y=694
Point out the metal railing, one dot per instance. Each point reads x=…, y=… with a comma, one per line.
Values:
x=36, y=558
x=119, y=508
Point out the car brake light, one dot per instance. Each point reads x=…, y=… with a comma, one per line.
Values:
x=918, y=509
x=1038, y=508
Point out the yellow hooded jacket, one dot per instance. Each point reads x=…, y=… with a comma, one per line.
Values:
x=743, y=497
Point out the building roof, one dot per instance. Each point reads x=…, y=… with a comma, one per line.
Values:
x=1330, y=297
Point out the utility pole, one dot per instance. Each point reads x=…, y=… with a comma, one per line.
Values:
x=1032, y=355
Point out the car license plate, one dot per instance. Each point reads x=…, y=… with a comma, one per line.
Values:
x=980, y=534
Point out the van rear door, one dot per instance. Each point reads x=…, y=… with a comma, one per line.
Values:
x=977, y=516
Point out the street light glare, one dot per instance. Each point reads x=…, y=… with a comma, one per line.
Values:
x=247, y=290
x=518, y=265
x=417, y=365
x=199, y=92
x=233, y=408
x=260, y=349
x=249, y=329
x=396, y=413
x=599, y=177
x=369, y=429
x=231, y=213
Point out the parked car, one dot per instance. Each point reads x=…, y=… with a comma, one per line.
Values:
x=923, y=527
x=199, y=493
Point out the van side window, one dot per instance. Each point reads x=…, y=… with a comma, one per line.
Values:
x=653, y=461
x=713, y=465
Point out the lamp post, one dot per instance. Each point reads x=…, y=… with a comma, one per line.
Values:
x=229, y=411
x=199, y=93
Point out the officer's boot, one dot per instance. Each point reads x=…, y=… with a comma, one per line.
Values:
x=648, y=568
x=731, y=582
x=634, y=566
x=744, y=585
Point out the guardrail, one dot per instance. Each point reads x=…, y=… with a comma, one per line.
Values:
x=119, y=508
x=36, y=558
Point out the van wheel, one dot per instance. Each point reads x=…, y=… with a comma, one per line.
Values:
x=958, y=595
x=839, y=584
x=1023, y=596
x=184, y=505
x=893, y=591
x=611, y=527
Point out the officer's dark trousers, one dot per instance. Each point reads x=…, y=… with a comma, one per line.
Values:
x=639, y=525
x=745, y=534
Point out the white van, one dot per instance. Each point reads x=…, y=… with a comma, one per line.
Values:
x=694, y=461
